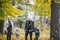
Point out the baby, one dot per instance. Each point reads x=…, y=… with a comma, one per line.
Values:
x=17, y=34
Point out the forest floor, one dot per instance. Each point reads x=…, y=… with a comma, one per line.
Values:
x=43, y=36
x=23, y=38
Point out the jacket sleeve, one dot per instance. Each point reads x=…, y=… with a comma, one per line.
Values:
x=26, y=25
x=32, y=25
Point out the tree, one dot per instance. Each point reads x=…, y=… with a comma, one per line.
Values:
x=7, y=9
x=55, y=26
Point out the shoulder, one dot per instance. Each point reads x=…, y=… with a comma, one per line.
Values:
x=32, y=21
x=26, y=21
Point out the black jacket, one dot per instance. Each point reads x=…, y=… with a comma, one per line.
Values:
x=29, y=25
x=9, y=28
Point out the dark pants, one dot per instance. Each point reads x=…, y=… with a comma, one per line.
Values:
x=26, y=35
x=36, y=38
x=8, y=36
x=36, y=35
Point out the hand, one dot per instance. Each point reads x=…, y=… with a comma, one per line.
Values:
x=29, y=30
x=6, y=31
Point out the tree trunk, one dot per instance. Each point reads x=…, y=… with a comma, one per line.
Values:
x=1, y=26
x=54, y=33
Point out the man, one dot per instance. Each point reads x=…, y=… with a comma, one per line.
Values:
x=9, y=29
x=28, y=27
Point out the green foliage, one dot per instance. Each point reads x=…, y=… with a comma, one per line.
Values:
x=4, y=1
x=43, y=7
x=7, y=9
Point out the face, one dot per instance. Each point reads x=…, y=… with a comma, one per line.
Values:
x=29, y=19
x=9, y=18
x=16, y=29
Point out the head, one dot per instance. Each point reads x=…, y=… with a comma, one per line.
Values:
x=29, y=19
x=17, y=30
x=9, y=18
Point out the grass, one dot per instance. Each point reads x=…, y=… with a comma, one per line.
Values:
x=22, y=37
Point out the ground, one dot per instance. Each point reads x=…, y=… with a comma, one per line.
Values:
x=43, y=36
x=22, y=37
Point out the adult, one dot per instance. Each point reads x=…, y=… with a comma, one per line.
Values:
x=28, y=27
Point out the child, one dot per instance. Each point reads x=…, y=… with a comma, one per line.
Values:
x=36, y=33
x=17, y=34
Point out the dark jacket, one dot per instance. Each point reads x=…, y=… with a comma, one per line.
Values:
x=29, y=25
x=37, y=33
x=9, y=28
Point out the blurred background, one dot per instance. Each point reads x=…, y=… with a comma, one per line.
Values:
x=19, y=10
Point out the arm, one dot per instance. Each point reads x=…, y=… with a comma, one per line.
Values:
x=5, y=26
x=26, y=25
x=32, y=24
